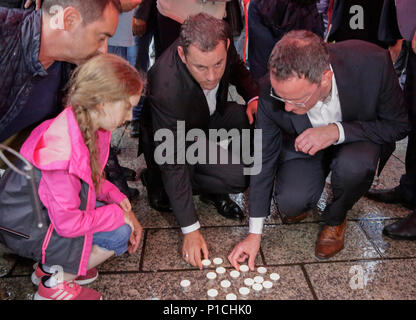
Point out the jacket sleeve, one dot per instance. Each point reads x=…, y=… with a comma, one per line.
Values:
x=109, y=193
x=59, y=192
x=261, y=185
x=144, y=10
x=391, y=123
x=176, y=177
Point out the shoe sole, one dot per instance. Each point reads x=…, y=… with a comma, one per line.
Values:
x=398, y=237
x=36, y=280
x=40, y=298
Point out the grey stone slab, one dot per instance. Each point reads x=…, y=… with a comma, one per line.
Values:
x=373, y=280
x=401, y=147
x=17, y=288
x=166, y=286
x=288, y=244
x=388, y=247
x=163, y=247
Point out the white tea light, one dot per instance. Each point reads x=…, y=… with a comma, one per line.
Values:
x=244, y=268
x=206, y=263
x=257, y=287
x=185, y=283
x=234, y=274
x=212, y=293
x=217, y=261
x=211, y=275
x=231, y=296
x=258, y=279
x=220, y=270
x=244, y=291
x=248, y=282
x=225, y=284
x=261, y=270
x=267, y=284
x=274, y=276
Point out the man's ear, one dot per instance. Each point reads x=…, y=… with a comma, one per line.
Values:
x=71, y=18
x=181, y=54
x=228, y=43
x=327, y=77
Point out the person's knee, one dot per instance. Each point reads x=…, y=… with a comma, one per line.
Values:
x=353, y=171
x=291, y=204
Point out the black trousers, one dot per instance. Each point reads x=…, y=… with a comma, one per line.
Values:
x=206, y=178
x=407, y=186
x=300, y=182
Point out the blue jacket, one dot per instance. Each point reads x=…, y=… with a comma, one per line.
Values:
x=20, y=36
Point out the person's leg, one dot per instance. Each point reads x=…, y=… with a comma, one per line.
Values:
x=353, y=167
x=299, y=185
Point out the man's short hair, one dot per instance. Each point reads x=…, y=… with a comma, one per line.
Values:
x=299, y=53
x=203, y=31
x=90, y=10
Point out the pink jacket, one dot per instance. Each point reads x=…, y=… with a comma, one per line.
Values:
x=56, y=147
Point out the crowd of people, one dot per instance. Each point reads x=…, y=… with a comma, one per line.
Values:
x=322, y=85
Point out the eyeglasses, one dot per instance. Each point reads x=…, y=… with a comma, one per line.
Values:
x=296, y=104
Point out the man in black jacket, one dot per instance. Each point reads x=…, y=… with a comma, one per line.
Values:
x=189, y=85
x=324, y=108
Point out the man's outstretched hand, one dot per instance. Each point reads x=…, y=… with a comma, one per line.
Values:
x=248, y=248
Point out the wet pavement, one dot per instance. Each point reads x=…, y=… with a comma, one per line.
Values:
x=370, y=266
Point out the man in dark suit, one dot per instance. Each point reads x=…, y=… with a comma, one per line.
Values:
x=405, y=192
x=189, y=84
x=325, y=108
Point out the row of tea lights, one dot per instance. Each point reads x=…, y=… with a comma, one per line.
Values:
x=257, y=283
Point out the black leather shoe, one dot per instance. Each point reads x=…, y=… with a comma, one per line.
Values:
x=128, y=174
x=225, y=206
x=404, y=229
x=116, y=175
x=388, y=196
x=158, y=201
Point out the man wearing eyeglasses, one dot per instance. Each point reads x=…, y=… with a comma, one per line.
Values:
x=326, y=108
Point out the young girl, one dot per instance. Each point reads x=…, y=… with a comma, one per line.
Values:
x=89, y=219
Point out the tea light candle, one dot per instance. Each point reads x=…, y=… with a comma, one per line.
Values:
x=217, y=261
x=206, y=263
x=225, y=284
x=185, y=284
x=267, y=284
x=258, y=279
x=244, y=291
x=257, y=287
x=261, y=270
x=244, y=268
x=248, y=282
x=231, y=296
x=220, y=270
x=234, y=274
x=211, y=275
x=274, y=276
x=212, y=293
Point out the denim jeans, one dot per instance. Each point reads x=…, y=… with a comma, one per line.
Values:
x=116, y=240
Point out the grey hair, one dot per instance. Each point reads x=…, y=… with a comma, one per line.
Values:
x=90, y=10
x=203, y=31
x=299, y=53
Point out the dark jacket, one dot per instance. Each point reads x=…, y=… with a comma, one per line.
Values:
x=372, y=107
x=176, y=96
x=20, y=35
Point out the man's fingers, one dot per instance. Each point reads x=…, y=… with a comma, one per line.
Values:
x=251, y=259
x=242, y=257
